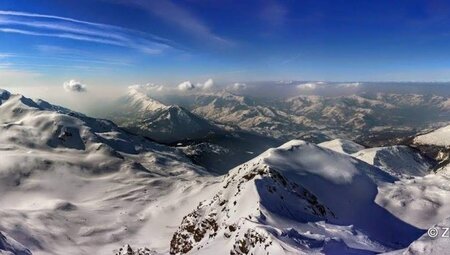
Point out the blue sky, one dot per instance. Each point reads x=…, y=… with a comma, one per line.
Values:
x=122, y=42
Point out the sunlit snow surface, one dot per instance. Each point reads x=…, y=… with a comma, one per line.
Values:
x=439, y=137
x=71, y=184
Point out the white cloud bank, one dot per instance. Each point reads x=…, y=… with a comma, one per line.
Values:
x=74, y=86
x=350, y=85
x=189, y=86
x=237, y=86
x=208, y=84
x=310, y=85
x=186, y=86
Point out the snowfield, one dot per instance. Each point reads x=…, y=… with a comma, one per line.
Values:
x=401, y=161
x=438, y=137
x=298, y=198
x=76, y=185
x=71, y=184
x=343, y=146
x=143, y=115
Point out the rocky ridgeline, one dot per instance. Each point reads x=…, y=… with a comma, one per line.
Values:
x=128, y=250
x=249, y=195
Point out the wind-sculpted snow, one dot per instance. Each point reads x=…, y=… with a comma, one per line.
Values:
x=74, y=185
x=298, y=198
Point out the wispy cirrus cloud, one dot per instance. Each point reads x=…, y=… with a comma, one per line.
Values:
x=6, y=55
x=33, y=24
x=53, y=52
x=181, y=18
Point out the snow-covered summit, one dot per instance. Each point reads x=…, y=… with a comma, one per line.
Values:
x=144, y=115
x=294, y=199
x=141, y=102
x=71, y=184
x=342, y=146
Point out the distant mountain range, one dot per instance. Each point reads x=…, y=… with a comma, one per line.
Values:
x=139, y=113
x=72, y=184
x=372, y=118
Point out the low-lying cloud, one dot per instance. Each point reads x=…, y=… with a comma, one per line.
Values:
x=310, y=85
x=74, y=86
x=149, y=87
x=237, y=86
x=208, y=84
x=186, y=86
x=189, y=86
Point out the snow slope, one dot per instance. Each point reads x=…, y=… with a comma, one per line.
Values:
x=342, y=146
x=296, y=199
x=438, y=137
x=397, y=160
x=72, y=184
x=138, y=100
x=420, y=201
x=435, y=144
x=75, y=185
x=143, y=115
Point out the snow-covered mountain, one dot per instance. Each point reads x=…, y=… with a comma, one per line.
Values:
x=220, y=152
x=358, y=117
x=342, y=145
x=295, y=199
x=143, y=115
x=435, y=144
x=71, y=184
x=398, y=160
x=248, y=114
x=216, y=147
x=439, y=137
